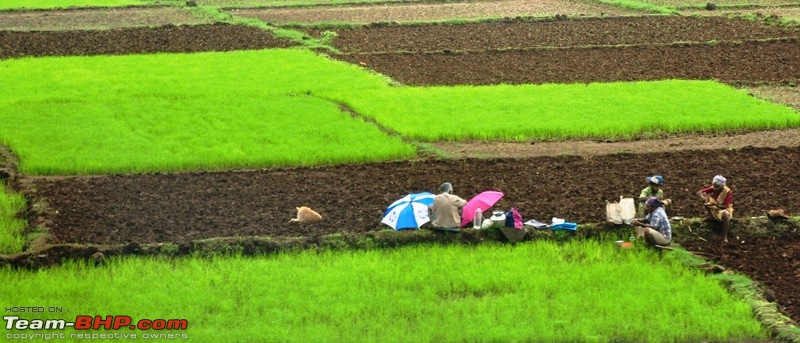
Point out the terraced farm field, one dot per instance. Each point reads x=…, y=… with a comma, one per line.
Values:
x=519, y=43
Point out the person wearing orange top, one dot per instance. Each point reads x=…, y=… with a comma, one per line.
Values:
x=718, y=202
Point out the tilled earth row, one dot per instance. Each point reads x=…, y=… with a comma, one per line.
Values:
x=188, y=206
x=213, y=37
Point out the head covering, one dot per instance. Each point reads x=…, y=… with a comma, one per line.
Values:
x=719, y=180
x=655, y=179
x=654, y=202
x=446, y=188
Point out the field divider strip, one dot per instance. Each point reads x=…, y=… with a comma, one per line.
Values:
x=424, y=149
x=513, y=49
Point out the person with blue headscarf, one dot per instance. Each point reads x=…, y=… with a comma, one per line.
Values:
x=653, y=189
x=655, y=227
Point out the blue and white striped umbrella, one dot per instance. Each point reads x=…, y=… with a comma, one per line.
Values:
x=410, y=212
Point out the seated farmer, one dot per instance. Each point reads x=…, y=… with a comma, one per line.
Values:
x=445, y=210
x=655, y=228
x=653, y=189
x=718, y=201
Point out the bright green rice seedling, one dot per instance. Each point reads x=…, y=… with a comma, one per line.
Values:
x=11, y=226
x=538, y=291
x=79, y=115
x=180, y=112
x=542, y=112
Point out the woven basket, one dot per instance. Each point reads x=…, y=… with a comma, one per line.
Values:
x=512, y=234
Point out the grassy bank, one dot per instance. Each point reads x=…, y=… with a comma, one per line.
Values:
x=540, y=291
x=11, y=226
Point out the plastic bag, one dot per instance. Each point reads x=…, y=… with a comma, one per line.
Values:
x=621, y=212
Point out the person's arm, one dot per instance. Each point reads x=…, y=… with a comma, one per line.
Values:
x=703, y=194
x=460, y=202
x=643, y=195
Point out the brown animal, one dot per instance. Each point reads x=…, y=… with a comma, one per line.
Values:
x=306, y=215
x=777, y=214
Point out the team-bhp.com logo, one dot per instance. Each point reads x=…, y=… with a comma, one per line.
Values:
x=94, y=323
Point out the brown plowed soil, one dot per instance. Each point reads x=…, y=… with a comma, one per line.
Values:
x=590, y=50
x=184, y=207
x=181, y=207
x=522, y=34
x=97, y=19
x=745, y=63
x=430, y=11
x=217, y=37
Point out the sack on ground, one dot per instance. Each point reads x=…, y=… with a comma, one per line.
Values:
x=620, y=212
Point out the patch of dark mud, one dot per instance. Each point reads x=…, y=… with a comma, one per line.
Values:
x=154, y=208
x=754, y=62
x=520, y=34
x=217, y=37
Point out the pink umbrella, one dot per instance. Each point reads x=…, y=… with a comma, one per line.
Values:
x=484, y=201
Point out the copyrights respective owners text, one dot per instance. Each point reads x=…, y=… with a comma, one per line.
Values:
x=36, y=323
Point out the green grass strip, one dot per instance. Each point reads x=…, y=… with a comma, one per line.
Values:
x=290, y=3
x=11, y=226
x=641, y=6
x=538, y=291
x=184, y=112
x=560, y=111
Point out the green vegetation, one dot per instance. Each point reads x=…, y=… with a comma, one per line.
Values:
x=597, y=110
x=173, y=112
x=536, y=291
x=11, y=205
x=289, y=3
x=641, y=6
x=52, y=4
x=181, y=112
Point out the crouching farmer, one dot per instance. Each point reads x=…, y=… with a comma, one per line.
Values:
x=654, y=227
